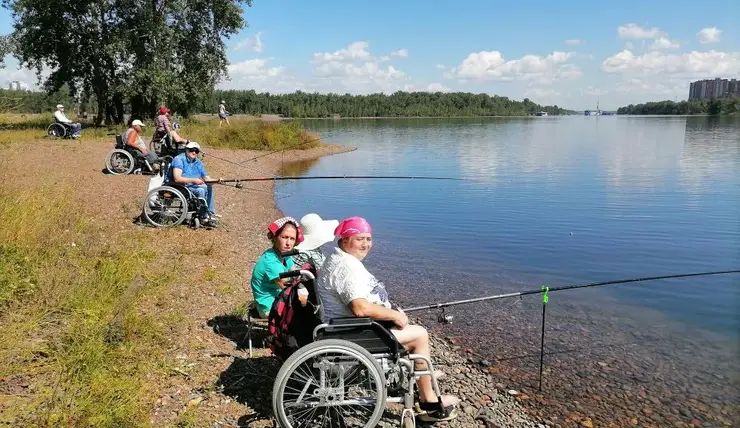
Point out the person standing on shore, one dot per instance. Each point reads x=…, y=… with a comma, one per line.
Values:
x=223, y=115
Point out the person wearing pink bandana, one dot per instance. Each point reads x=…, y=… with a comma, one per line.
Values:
x=347, y=289
x=284, y=233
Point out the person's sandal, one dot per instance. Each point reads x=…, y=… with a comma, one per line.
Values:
x=435, y=412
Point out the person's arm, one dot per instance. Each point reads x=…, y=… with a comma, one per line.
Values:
x=362, y=308
x=273, y=270
x=177, y=176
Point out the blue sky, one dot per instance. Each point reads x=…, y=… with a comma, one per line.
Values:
x=566, y=53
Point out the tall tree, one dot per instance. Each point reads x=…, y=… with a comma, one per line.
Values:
x=135, y=51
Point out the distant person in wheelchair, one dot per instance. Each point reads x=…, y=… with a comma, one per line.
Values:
x=164, y=128
x=60, y=117
x=188, y=170
x=347, y=289
x=132, y=138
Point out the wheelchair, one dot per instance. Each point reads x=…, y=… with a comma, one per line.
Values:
x=344, y=371
x=171, y=204
x=165, y=145
x=60, y=130
x=124, y=160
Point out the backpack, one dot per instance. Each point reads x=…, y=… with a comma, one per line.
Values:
x=290, y=324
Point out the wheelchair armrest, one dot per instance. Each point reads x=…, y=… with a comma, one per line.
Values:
x=351, y=322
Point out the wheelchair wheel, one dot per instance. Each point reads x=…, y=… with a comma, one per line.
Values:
x=330, y=382
x=56, y=130
x=119, y=162
x=165, y=206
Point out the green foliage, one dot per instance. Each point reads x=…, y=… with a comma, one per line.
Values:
x=717, y=106
x=128, y=51
x=59, y=289
x=302, y=104
x=250, y=135
x=33, y=102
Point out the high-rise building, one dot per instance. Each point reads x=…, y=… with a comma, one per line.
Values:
x=714, y=88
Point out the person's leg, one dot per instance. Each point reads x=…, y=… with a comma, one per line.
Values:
x=415, y=339
x=210, y=200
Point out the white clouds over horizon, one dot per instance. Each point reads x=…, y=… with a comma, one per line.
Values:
x=646, y=63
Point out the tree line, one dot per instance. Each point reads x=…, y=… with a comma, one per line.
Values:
x=300, y=104
x=125, y=55
x=716, y=106
x=407, y=104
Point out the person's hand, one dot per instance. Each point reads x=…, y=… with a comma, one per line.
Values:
x=198, y=181
x=402, y=320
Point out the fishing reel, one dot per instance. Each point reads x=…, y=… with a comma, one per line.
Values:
x=443, y=318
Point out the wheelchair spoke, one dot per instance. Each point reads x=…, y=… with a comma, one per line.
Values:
x=335, y=388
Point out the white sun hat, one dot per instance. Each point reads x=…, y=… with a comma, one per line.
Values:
x=316, y=232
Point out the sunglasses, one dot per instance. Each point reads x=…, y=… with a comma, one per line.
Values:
x=193, y=150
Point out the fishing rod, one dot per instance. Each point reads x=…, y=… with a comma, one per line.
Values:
x=330, y=177
x=566, y=287
x=447, y=319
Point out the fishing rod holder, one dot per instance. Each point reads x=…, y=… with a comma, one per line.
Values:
x=443, y=318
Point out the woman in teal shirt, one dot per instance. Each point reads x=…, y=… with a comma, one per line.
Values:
x=284, y=233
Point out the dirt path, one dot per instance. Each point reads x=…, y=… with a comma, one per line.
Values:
x=213, y=268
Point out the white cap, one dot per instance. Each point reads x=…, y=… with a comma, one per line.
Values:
x=137, y=122
x=60, y=106
x=192, y=145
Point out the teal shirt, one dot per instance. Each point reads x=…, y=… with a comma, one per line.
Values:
x=266, y=270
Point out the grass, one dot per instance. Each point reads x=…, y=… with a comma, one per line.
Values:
x=241, y=134
x=74, y=349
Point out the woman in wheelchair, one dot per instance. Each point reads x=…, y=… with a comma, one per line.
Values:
x=347, y=289
x=132, y=138
x=266, y=283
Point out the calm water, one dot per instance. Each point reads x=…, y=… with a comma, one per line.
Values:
x=556, y=201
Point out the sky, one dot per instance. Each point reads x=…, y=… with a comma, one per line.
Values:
x=569, y=53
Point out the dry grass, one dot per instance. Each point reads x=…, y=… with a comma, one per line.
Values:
x=245, y=134
x=74, y=351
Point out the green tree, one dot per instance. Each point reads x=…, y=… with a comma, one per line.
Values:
x=127, y=51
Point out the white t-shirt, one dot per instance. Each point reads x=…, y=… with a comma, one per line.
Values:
x=61, y=117
x=342, y=279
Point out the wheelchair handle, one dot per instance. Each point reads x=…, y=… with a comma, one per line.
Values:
x=291, y=253
x=294, y=273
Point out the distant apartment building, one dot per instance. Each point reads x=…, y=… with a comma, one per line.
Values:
x=716, y=88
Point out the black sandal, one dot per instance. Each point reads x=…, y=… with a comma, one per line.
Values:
x=435, y=412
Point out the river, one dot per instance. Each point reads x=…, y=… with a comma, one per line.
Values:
x=557, y=201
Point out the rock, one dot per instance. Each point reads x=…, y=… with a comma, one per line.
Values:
x=587, y=423
x=512, y=392
x=634, y=421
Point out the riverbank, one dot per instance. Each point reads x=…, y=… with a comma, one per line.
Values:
x=157, y=340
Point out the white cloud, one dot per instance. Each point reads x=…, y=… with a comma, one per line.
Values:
x=355, y=51
x=541, y=93
x=401, y=53
x=665, y=43
x=634, y=31
x=709, y=35
x=253, y=43
x=573, y=42
x=254, y=68
x=27, y=78
x=691, y=64
x=491, y=65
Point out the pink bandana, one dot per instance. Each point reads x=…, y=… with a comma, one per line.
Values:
x=277, y=224
x=352, y=226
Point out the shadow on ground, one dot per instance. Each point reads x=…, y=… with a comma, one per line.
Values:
x=235, y=329
x=249, y=381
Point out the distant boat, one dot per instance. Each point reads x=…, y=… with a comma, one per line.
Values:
x=596, y=112
x=542, y=113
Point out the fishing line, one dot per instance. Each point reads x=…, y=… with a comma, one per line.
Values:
x=348, y=177
x=281, y=150
x=566, y=287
